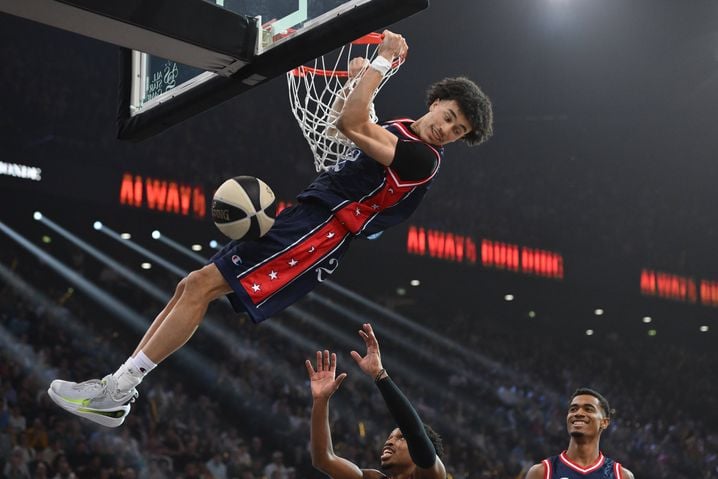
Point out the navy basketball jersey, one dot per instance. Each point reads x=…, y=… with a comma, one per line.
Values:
x=369, y=197
x=561, y=467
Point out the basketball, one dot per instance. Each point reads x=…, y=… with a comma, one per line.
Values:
x=243, y=207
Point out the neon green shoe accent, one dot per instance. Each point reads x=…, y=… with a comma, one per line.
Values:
x=81, y=402
x=113, y=414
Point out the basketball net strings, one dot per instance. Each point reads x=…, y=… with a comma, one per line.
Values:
x=312, y=94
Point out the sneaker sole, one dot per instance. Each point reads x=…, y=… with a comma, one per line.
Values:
x=105, y=417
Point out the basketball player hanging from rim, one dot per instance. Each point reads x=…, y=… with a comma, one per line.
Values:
x=397, y=162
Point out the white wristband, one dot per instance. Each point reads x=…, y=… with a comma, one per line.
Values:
x=381, y=64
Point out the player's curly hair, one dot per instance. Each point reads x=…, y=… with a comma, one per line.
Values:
x=435, y=440
x=474, y=104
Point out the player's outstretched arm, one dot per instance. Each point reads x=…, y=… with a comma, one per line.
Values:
x=354, y=120
x=324, y=382
x=421, y=449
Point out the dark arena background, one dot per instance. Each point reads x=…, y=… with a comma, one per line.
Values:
x=576, y=248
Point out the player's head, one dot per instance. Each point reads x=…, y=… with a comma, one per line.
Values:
x=395, y=452
x=588, y=413
x=473, y=105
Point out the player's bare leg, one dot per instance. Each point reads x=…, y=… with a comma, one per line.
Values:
x=107, y=401
x=161, y=316
x=201, y=287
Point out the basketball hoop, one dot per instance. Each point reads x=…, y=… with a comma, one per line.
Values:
x=317, y=93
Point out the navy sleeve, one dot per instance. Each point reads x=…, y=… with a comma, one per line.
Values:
x=421, y=449
x=413, y=161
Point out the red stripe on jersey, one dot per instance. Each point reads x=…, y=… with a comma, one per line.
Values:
x=273, y=275
x=583, y=470
x=398, y=120
x=354, y=216
x=547, y=469
x=617, y=471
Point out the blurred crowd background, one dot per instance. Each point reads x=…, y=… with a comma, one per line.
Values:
x=498, y=395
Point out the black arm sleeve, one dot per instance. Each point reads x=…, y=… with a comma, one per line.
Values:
x=420, y=447
x=413, y=161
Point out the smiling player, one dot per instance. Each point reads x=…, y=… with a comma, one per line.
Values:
x=588, y=416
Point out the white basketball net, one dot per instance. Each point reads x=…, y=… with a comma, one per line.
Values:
x=317, y=92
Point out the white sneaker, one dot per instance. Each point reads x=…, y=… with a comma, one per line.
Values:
x=99, y=401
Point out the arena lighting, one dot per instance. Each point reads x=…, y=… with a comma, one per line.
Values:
x=181, y=249
x=508, y=297
x=25, y=356
x=598, y=312
x=213, y=244
x=415, y=282
x=59, y=316
x=278, y=328
x=156, y=234
x=400, y=291
x=97, y=225
x=131, y=276
x=647, y=319
x=146, y=265
x=341, y=335
x=126, y=236
x=352, y=341
x=196, y=363
x=704, y=329
x=196, y=247
x=652, y=332
x=37, y=216
x=103, y=298
x=405, y=323
x=589, y=332
x=46, y=239
x=144, y=251
x=532, y=314
x=341, y=310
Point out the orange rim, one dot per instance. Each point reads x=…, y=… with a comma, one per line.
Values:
x=304, y=70
x=372, y=38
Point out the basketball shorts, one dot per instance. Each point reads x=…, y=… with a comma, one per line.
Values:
x=301, y=250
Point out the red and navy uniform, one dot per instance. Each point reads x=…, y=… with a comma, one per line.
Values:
x=561, y=467
x=307, y=240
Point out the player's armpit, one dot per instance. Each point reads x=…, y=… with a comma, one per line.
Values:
x=372, y=139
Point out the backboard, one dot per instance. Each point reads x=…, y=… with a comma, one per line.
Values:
x=157, y=92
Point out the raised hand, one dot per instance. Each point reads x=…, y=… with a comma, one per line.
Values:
x=324, y=381
x=371, y=362
x=392, y=46
x=356, y=66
